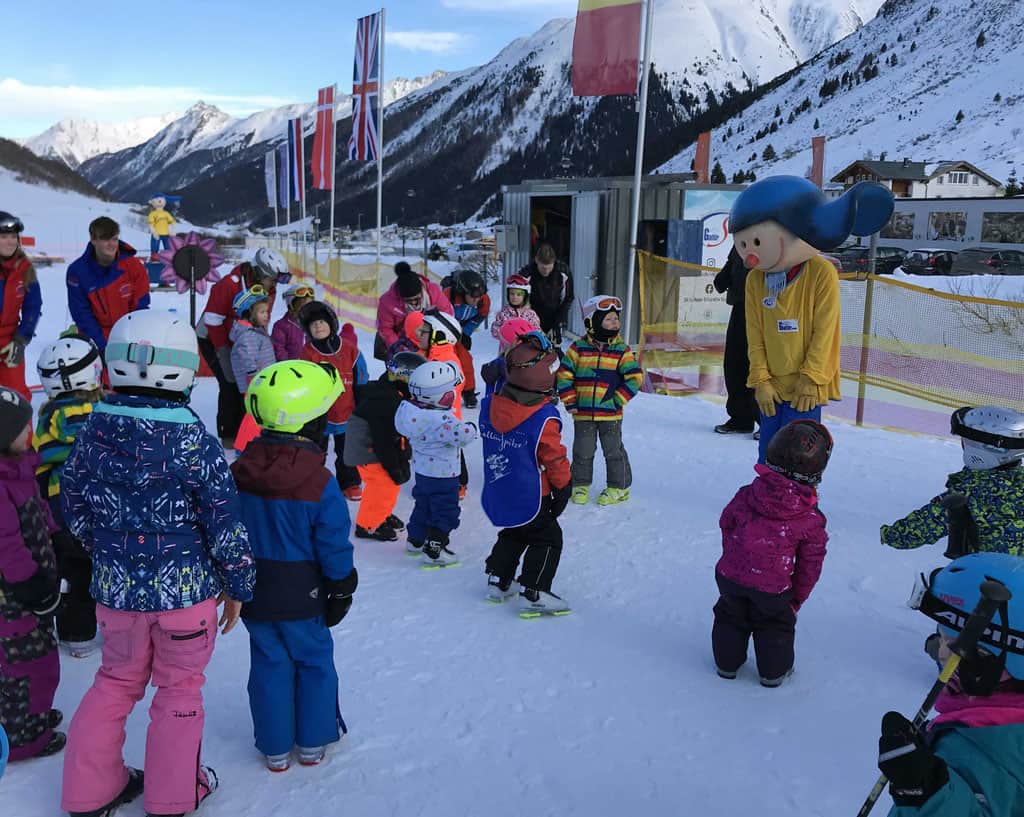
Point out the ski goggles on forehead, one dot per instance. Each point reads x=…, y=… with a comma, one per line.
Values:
x=611, y=302
x=257, y=289
x=303, y=292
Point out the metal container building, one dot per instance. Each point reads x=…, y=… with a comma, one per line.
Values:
x=587, y=221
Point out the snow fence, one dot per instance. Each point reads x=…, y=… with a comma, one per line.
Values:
x=910, y=355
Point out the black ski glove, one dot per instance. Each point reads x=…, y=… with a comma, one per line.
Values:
x=40, y=593
x=914, y=772
x=466, y=341
x=559, y=499
x=339, y=597
x=16, y=350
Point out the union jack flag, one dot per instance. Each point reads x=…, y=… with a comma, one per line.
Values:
x=362, y=145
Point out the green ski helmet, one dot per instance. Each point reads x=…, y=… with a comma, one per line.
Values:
x=287, y=395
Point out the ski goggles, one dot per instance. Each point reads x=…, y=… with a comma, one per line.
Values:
x=258, y=290
x=611, y=302
x=304, y=292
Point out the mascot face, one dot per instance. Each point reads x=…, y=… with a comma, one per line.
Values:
x=158, y=203
x=770, y=247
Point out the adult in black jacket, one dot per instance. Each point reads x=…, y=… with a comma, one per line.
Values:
x=740, y=404
x=551, y=292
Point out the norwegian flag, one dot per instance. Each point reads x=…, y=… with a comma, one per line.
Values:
x=362, y=145
x=323, y=140
x=295, y=159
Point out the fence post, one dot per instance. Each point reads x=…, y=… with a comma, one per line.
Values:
x=864, y=344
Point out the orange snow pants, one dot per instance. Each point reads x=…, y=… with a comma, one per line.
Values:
x=380, y=494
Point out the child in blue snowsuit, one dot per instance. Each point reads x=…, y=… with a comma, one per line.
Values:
x=299, y=524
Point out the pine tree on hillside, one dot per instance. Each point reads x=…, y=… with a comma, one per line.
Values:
x=959, y=117
x=717, y=174
x=816, y=124
x=769, y=154
x=981, y=39
x=1013, y=188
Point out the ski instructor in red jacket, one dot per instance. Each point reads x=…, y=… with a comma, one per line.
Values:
x=267, y=269
x=106, y=282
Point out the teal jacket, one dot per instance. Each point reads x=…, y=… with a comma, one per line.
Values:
x=995, y=499
x=986, y=773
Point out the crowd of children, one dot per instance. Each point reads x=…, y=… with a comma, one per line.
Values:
x=268, y=538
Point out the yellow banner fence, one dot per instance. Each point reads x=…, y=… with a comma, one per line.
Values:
x=910, y=355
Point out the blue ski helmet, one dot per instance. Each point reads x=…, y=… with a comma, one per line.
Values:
x=954, y=591
x=247, y=299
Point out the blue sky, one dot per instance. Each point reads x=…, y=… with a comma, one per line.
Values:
x=118, y=60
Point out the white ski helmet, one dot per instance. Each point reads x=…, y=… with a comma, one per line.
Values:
x=434, y=383
x=69, y=364
x=443, y=328
x=992, y=435
x=271, y=264
x=154, y=349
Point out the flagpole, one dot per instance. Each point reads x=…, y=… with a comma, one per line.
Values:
x=380, y=132
x=641, y=132
x=288, y=194
x=334, y=154
x=301, y=186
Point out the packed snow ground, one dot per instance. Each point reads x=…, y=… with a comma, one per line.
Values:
x=458, y=707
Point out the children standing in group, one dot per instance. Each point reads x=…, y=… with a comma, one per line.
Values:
x=472, y=305
x=29, y=592
x=773, y=547
x=71, y=373
x=527, y=480
x=992, y=482
x=599, y=375
x=298, y=527
x=374, y=446
x=437, y=437
x=148, y=493
x=517, y=292
x=325, y=344
x=495, y=372
x=288, y=335
x=251, y=350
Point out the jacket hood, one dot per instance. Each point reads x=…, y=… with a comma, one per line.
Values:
x=778, y=497
x=20, y=467
x=291, y=461
x=506, y=413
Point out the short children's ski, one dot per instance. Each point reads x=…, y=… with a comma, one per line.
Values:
x=541, y=613
x=439, y=565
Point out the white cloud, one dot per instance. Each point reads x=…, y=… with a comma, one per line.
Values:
x=54, y=102
x=555, y=7
x=436, y=42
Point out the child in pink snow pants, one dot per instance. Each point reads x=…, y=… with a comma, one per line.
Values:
x=148, y=493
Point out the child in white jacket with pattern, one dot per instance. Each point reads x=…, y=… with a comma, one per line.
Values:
x=437, y=436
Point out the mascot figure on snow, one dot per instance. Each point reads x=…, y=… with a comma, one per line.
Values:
x=779, y=226
x=161, y=225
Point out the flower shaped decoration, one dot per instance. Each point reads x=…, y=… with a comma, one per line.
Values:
x=199, y=254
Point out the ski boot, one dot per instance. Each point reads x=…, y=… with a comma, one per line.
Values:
x=581, y=494
x=613, y=496
x=537, y=603
x=81, y=649
x=394, y=522
x=353, y=493
x=469, y=399
x=132, y=789
x=732, y=427
x=382, y=533
x=499, y=591
x=279, y=763
x=310, y=755
x=435, y=551
x=772, y=683
x=207, y=785
x=413, y=548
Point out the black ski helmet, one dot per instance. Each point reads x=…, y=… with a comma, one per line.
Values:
x=800, y=451
x=402, y=365
x=469, y=282
x=10, y=223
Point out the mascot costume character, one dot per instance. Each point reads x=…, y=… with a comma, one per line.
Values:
x=779, y=226
x=161, y=225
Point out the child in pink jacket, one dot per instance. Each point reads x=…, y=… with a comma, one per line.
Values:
x=773, y=546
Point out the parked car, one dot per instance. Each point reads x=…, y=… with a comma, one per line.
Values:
x=988, y=261
x=467, y=252
x=855, y=259
x=927, y=261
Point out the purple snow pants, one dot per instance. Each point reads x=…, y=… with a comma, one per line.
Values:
x=29, y=674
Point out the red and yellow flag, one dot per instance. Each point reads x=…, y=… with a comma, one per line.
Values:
x=605, y=47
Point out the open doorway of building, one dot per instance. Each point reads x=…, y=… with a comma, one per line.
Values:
x=551, y=221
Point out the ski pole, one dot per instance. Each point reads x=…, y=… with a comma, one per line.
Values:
x=993, y=594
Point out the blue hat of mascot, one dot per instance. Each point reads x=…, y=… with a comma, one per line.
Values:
x=799, y=206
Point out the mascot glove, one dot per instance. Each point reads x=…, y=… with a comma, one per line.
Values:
x=805, y=397
x=767, y=396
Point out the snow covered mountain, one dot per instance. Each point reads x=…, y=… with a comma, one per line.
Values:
x=75, y=140
x=458, y=140
x=206, y=138
x=925, y=80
